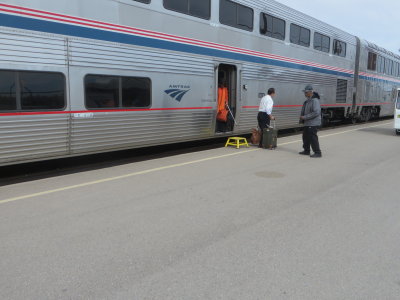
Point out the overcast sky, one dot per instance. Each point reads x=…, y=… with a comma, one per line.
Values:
x=375, y=21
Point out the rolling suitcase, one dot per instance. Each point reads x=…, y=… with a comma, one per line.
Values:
x=270, y=137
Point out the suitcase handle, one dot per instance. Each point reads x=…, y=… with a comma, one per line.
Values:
x=273, y=124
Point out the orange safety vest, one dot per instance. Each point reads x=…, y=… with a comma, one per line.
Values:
x=222, y=113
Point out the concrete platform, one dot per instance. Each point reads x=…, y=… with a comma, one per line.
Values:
x=219, y=224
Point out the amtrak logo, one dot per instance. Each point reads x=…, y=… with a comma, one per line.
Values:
x=177, y=92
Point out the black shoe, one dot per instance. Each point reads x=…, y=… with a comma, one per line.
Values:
x=304, y=153
x=316, y=155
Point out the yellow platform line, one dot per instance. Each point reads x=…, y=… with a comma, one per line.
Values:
x=71, y=187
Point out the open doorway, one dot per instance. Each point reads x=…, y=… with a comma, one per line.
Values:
x=227, y=95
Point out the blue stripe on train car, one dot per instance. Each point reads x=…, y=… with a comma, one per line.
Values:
x=103, y=35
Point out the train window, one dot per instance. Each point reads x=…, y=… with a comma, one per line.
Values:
x=299, y=35
x=107, y=92
x=388, y=67
x=399, y=70
x=272, y=27
x=381, y=64
x=378, y=63
x=236, y=15
x=143, y=1
x=396, y=69
x=25, y=90
x=339, y=48
x=391, y=71
x=372, y=61
x=136, y=92
x=385, y=70
x=322, y=42
x=40, y=90
x=102, y=91
x=8, y=95
x=196, y=8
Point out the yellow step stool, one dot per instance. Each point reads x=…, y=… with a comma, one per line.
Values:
x=237, y=142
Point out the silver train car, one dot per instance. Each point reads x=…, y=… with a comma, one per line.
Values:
x=87, y=76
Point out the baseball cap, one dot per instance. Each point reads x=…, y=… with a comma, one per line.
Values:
x=308, y=88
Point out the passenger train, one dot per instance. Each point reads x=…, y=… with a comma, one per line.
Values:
x=87, y=76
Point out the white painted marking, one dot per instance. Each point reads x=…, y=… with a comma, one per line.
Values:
x=83, y=115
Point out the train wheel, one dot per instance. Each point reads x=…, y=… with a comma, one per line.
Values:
x=397, y=132
x=353, y=121
x=367, y=115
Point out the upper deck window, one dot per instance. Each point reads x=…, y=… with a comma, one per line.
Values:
x=272, y=26
x=381, y=64
x=372, y=61
x=399, y=70
x=322, y=42
x=339, y=48
x=389, y=67
x=30, y=91
x=195, y=8
x=299, y=35
x=236, y=15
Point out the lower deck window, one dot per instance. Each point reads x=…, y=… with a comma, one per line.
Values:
x=102, y=91
x=28, y=91
x=8, y=94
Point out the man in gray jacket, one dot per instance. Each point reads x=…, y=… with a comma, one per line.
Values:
x=311, y=117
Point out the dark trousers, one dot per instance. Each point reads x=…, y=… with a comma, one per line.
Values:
x=263, y=122
x=310, y=138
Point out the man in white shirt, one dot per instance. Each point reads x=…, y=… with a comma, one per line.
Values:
x=265, y=112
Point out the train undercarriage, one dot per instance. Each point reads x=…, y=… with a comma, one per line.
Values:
x=342, y=114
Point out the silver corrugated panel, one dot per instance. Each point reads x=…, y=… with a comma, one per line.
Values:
x=286, y=118
x=277, y=74
x=33, y=137
x=117, y=56
x=122, y=130
x=17, y=47
x=247, y=121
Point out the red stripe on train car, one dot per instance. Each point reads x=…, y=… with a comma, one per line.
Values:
x=100, y=111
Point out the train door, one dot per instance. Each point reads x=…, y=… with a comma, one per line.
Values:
x=226, y=98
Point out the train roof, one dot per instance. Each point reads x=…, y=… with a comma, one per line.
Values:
x=381, y=50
